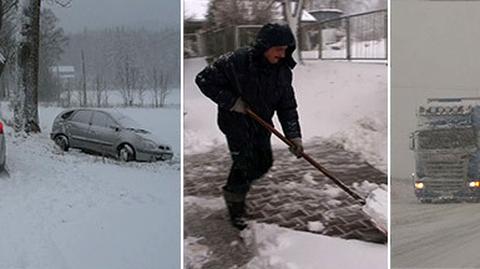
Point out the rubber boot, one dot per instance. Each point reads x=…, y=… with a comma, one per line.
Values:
x=236, y=208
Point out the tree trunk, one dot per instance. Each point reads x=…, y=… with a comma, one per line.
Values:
x=26, y=103
x=84, y=83
x=2, y=58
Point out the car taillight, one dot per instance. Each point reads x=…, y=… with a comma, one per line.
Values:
x=1, y=127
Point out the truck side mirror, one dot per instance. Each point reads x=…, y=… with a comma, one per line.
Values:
x=412, y=141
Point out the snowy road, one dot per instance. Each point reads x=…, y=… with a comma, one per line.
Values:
x=433, y=235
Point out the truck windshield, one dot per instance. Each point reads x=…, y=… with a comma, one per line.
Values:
x=446, y=138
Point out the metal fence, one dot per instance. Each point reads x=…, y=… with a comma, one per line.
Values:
x=356, y=37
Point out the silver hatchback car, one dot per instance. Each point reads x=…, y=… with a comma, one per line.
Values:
x=107, y=133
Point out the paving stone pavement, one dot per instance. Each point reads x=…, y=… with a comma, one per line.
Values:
x=293, y=193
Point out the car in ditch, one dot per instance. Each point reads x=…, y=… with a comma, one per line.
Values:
x=109, y=133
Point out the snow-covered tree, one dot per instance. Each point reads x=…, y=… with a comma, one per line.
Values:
x=224, y=13
x=27, y=40
x=293, y=14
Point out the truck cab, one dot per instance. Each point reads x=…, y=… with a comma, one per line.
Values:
x=446, y=150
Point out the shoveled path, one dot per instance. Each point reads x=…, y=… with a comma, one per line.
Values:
x=291, y=195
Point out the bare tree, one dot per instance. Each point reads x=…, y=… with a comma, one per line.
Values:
x=52, y=44
x=141, y=88
x=83, y=101
x=155, y=86
x=127, y=77
x=164, y=83
x=223, y=13
x=100, y=89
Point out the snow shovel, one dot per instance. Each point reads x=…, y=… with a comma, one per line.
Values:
x=307, y=157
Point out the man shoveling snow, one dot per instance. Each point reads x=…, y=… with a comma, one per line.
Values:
x=257, y=78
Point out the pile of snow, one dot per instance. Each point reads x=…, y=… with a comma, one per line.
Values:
x=368, y=137
x=210, y=203
x=282, y=248
x=332, y=190
x=365, y=187
x=315, y=226
x=196, y=254
x=377, y=207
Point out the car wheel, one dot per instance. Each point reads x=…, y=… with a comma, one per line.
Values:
x=126, y=153
x=62, y=142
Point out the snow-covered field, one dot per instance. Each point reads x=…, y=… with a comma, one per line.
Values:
x=75, y=210
x=345, y=102
x=115, y=98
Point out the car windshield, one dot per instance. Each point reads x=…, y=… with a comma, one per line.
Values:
x=446, y=138
x=128, y=122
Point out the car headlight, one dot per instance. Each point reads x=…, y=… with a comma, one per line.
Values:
x=149, y=144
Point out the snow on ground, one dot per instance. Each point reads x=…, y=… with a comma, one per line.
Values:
x=377, y=207
x=75, y=210
x=340, y=101
x=196, y=254
x=282, y=248
x=440, y=235
x=214, y=203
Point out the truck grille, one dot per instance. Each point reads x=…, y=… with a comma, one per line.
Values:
x=446, y=169
x=444, y=186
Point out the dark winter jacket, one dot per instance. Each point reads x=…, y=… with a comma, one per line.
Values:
x=265, y=87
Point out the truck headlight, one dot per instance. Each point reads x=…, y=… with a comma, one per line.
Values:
x=419, y=185
x=474, y=184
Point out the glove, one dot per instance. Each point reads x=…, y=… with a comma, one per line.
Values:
x=297, y=148
x=240, y=106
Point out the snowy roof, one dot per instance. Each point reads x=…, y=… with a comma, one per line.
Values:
x=2, y=58
x=197, y=10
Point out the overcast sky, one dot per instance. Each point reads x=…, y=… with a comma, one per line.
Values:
x=95, y=14
x=434, y=54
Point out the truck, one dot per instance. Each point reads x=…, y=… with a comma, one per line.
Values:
x=446, y=150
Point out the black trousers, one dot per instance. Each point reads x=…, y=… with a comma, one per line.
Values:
x=252, y=158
